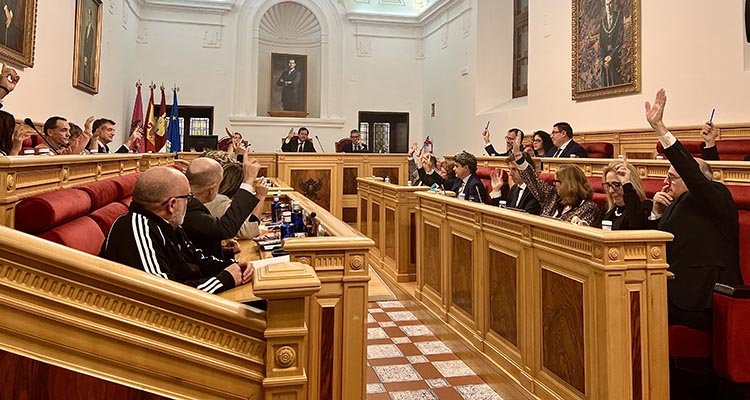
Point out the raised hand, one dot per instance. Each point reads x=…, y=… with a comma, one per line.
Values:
x=291, y=133
x=623, y=172
x=655, y=112
x=518, y=147
x=709, y=134
x=413, y=148
x=497, y=180
x=250, y=168
x=486, y=136
x=261, y=190
x=8, y=80
x=135, y=136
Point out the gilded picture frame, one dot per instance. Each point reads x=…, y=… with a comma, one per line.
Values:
x=88, y=45
x=19, y=31
x=288, y=85
x=606, y=48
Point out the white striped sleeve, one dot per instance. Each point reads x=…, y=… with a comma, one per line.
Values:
x=211, y=285
x=141, y=233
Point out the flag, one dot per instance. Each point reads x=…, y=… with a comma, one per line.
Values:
x=137, y=119
x=150, y=126
x=173, y=131
x=161, y=124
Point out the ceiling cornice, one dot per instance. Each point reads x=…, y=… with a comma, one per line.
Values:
x=214, y=6
x=429, y=14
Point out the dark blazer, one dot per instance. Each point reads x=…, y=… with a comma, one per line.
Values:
x=349, y=148
x=710, y=153
x=528, y=202
x=492, y=152
x=103, y=148
x=450, y=183
x=635, y=213
x=572, y=148
x=429, y=179
x=207, y=231
x=293, y=146
x=473, y=191
x=705, y=225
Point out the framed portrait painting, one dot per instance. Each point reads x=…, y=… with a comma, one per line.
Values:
x=288, y=85
x=88, y=44
x=17, y=32
x=606, y=48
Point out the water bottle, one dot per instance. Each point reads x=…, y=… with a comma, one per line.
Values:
x=503, y=204
x=287, y=227
x=434, y=188
x=276, y=208
x=387, y=179
x=606, y=225
x=297, y=219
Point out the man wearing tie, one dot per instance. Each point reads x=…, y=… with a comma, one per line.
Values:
x=356, y=145
x=299, y=142
x=562, y=138
x=469, y=186
x=509, y=138
x=518, y=196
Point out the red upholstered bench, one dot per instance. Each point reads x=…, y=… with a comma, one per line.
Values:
x=79, y=218
x=733, y=150
x=693, y=146
x=599, y=149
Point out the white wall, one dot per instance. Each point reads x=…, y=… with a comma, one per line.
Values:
x=693, y=49
x=47, y=89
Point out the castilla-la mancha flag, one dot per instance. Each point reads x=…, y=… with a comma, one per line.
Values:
x=137, y=120
x=150, y=127
x=161, y=124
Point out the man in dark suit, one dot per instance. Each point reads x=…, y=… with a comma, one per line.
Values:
x=356, y=145
x=509, y=138
x=469, y=186
x=562, y=138
x=299, y=142
x=104, y=134
x=518, y=197
x=703, y=218
x=427, y=171
x=205, y=230
x=611, y=38
x=291, y=81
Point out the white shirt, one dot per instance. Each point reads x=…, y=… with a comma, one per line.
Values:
x=562, y=148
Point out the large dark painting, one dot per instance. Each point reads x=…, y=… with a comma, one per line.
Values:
x=288, y=85
x=18, y=31
x=87, y=50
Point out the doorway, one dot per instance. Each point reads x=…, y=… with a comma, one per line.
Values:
x=385, y=132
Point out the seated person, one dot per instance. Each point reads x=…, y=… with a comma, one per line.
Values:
x=709, y=134
x=469, y=186
x=205, y=230
x=541, y=145
x=356, y=146
x=411, y=159
x=447, y=171
x=56, y=135
x=236, y=146
x=222, y=157
x=104, y=134
x=702, y=216
x=570, y=197
x=299, y=142
x=510, y=137
x=566, y=147
x=518, y=196
x=149, y=237
x=12, y=136
x=230, y=184
x=628, y=206
x=427, y=170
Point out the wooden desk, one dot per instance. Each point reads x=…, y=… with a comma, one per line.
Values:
x=566, y=311
x=387, y=215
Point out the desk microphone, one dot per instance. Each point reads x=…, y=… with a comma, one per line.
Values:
x=28, y=122
x=321, y=144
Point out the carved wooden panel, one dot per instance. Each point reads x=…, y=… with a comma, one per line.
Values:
x=25, y=378
x=635, y=344
x=314, y=184
x=391, y=173
x=363, y=217
x=349, y=215
x=390, y=233
x=461, y=274
x=263, y=172
x=562, y=328
x=376, y=224
x=503, y=295
x=327, y=334
x=350, y=180
x=432, y=270
x=412, y=242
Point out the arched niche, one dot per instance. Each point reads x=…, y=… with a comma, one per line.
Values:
x=263, y=28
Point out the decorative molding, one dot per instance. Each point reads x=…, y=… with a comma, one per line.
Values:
x=393, y=3
x=223, y=6
x=357, y=263
x=125, y=15
x=444, y=36
x=419, y=51
x=364, y=46
x=290, y=24
x=143, y=36
x=111, y=7
x=285, y=357
x=212, y=37
x=287, y=122
x=466, y=24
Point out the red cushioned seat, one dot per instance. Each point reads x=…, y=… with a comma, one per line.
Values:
x=126, y=201
x=126, y=183
x=733, y=150
x=599, y=149
x=102, y=193
x=484, y=174
x=694, y=147
x=106, y=216
x=547, y=177
x=651, y=186
x=47, y=210
x=686, y=342
x=601, y=200
x=596, y=183
x=81, y=234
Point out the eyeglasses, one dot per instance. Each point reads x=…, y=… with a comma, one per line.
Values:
x=188, y=196
x=613, y=185
x=537, y=140
x=672, y=177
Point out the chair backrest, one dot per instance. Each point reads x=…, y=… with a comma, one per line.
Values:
x=692, y=146
x=599, y=149
x=224, y=143
x=733, y=150
x=341, y=143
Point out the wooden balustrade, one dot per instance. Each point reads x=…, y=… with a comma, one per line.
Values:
x=61, y=307
x=387, y=214
x=565, y=311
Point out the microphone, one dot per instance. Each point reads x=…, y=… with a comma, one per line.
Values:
x=28, y=122
x=321, y=144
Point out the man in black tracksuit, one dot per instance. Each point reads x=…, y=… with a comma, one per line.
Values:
x=149, y=237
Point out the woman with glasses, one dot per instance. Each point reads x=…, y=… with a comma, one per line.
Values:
x=541, y=145
x=570, y=197
x=628, y=206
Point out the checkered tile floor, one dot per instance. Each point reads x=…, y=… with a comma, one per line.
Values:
x=405, y=361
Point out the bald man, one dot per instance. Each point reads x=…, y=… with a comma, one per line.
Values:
x=149, y=237
x=205, y=230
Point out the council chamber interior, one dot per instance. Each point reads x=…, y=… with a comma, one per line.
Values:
x=408, y=199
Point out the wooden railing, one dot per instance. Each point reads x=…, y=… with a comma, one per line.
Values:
x=387, y=215
x=86, y=314
x=565, y=311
